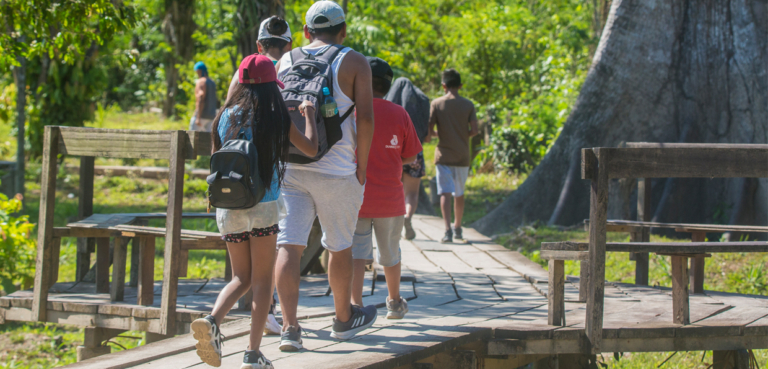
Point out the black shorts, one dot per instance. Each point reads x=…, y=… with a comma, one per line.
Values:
x=417, y=169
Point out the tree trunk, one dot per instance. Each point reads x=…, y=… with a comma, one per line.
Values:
x=20, y=79
x=664, y=71
x=250, y=14
x=178, y=27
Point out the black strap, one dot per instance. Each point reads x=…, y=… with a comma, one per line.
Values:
x=348, y=113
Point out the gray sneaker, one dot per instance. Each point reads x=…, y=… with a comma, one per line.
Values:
x=409, y=232
x=255, y=360
x=362, y=318
x=448, y=238
x=457, y=236
x=290, y=339
x=397, y=309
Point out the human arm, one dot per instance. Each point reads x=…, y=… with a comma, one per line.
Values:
x=199, y=98
x=307, y=142
x=363, y=97
x=232, y=85
x=432, y=123
x=410, y=160
x=473, y=126
x=411, y=145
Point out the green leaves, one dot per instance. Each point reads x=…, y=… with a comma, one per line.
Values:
x=17, y=248
x=59, y=29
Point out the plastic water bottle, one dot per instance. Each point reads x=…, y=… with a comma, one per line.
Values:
x=329, y=108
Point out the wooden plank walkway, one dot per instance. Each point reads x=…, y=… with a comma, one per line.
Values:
x=469, y=294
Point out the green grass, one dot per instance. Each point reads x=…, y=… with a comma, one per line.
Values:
x=45, y=345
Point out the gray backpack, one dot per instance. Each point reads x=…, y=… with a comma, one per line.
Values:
x=305, y=81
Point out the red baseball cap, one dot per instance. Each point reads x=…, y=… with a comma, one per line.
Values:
x=259, y=69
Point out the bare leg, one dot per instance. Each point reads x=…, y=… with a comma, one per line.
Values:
x=262, y=270
x=411, y=190
x=393, y=281
x=340, y=270
x=445, y=207
x=288, y=278
x=358, y=282
x=240, y=256
x=458, y=210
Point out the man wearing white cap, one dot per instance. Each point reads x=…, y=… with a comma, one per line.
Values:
x=275, y=39
x=330, y=188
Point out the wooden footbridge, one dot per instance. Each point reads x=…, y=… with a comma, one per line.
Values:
x=475, y=305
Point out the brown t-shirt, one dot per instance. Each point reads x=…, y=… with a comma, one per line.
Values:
x=452, y=115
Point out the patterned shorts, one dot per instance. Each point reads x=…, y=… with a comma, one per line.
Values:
x=256, y=232
x=416, y=170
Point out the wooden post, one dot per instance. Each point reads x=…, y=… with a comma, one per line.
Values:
x=644, y=214
x=183, y=263
x=173, y=234
x=697, y=265
x=598, y=211
x=583, y=280
x=556, y=293
x=55, y=255
x=93, y=337
x=85, y=209
x=136, y=256
x=119, y=256
x=45, y=224
x=680, y=307
x=102, y=265
x=146, y=271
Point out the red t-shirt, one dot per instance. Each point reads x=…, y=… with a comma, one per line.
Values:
x=394, y=139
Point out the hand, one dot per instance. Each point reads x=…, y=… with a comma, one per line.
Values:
x=360, y=175
x=306, y=106
x=473, y=132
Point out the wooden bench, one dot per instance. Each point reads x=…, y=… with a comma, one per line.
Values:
x=637, y=229
x=89, y=143
x=644, y=160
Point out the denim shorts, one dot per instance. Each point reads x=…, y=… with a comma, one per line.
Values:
x=451, y=179
x=387, y=240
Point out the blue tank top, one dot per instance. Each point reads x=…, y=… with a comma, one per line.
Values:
x=274, y=189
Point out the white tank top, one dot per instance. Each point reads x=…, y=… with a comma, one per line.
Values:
x=341, y=159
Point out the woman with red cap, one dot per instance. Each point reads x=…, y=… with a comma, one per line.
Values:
x=257, y=110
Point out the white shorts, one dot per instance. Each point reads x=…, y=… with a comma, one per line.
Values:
x=205, y=124
x=335, y=200
x=238, y=225
x=451, y=179
x=387, y=240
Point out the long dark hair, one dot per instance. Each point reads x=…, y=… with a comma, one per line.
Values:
x=261, y=107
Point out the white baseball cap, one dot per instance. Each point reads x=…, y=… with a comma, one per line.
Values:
x=332, y=12
x=264, y=33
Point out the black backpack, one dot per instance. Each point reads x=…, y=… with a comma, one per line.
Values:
x=234, y=182
x=305, y=81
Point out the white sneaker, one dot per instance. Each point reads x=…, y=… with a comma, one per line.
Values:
x=272, y=327
x=209, y=338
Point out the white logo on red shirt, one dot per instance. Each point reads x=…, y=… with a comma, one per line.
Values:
x=393, y=143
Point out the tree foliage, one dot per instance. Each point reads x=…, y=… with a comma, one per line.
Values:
x=59, y=29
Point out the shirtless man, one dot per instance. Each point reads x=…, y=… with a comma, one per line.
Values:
x=205, y=100
x=331, y=188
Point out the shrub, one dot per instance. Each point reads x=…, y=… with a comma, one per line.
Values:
x=17, y=248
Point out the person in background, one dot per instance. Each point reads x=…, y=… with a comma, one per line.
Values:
x=205, y=100
x=274, y=41
x=416, y=103
x=395, y=143
x=258, y=113
x=456, y=121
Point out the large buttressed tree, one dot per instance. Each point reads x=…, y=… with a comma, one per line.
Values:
x=664, y=71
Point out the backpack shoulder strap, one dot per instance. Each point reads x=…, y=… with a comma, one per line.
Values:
x=348, y=113
x=297, y=54
x=330, y=54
